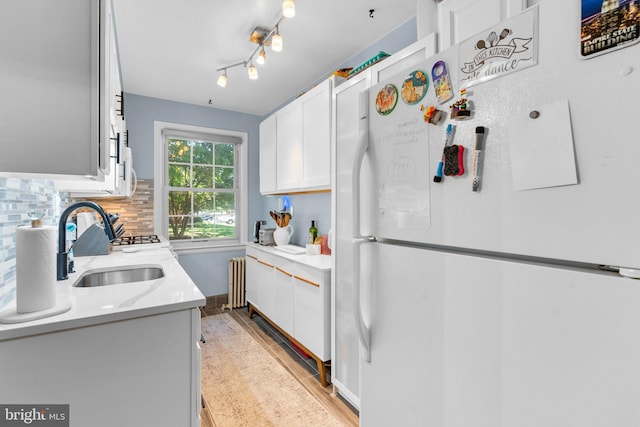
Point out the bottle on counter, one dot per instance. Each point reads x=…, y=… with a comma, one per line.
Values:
x=313, y=232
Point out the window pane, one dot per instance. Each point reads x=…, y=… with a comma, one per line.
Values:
x=179, y=176
x=179, y=151
x=224, y=177
x=202, y=153
x=202, y=177
x=179, y=227
x=203, y=204
x=225, y=154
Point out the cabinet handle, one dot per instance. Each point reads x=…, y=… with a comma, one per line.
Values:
x=302, y=279
x=120, y=112
x=265, y=263
x=284, y=272
x=252, y=257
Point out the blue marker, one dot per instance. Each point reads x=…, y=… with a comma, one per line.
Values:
x=447, y=141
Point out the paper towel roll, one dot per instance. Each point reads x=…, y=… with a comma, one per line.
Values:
x=35, y=268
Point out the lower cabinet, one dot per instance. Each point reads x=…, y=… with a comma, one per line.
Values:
x=294, y=296
x=137, y=372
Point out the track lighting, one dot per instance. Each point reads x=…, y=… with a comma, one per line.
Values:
x=288, y=8
x=261, y=56
x=253, y=72
x=276, y=41
x=262, y=37
x=222, y=80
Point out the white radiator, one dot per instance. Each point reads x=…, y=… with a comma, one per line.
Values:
x=236, y=296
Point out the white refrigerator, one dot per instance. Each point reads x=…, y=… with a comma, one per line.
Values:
x=503, y=306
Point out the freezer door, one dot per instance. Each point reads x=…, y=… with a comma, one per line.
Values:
x=460, y=341
x=582, y=126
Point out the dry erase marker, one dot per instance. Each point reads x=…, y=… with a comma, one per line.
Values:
x=475, y=165
x=447, y=142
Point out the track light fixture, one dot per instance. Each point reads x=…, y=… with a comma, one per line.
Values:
x=288, y=8
x=253, y=72
x=261, y=37
x=261, y=56
x=222, y=80
x=276, y=41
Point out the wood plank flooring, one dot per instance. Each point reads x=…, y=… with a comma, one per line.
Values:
x=300, y=369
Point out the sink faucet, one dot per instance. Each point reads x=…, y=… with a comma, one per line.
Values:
x=62, y=256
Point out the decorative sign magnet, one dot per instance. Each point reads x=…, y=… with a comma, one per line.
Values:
x=608, y=25
x=415, y=87
x=441, y=82
x=460, y=109
x=386, y=99
x=431, y=114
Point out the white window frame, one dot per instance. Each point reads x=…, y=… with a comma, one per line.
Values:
x=160, y=196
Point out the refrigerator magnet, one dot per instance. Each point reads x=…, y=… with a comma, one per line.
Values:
x=441, y=82
x=414, y=87
x=386, y=99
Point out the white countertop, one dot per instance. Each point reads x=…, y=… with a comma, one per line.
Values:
x=321, y=262
x=103, y=304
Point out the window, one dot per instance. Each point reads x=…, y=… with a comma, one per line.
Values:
x=202, y=199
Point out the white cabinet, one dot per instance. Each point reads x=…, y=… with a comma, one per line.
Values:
x=268, y=156
x=316, y=137
x=311, y=295
x=461, y=19
x=284, y=295
x=117, y=179
x=295, y=144
x=293, y=292
x=145, y=370
x=289, y=146
x=57, y=82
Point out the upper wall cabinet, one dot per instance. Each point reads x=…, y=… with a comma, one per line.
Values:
x=56, y=85
x=295, y=144
x=460, y=19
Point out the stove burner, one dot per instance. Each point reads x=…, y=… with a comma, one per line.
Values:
x=136, y=240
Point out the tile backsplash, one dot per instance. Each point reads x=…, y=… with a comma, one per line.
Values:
x=17, y=197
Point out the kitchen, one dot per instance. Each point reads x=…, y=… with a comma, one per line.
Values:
x=207, y=267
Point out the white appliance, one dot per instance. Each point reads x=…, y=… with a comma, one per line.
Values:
x=495, y=308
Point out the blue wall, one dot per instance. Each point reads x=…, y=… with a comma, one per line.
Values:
x=208, y=270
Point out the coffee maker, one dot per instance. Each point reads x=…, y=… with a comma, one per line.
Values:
x=256, y=230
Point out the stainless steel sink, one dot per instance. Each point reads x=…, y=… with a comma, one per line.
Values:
x=118, y=276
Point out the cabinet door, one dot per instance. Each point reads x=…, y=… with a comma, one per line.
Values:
x=316, y=138
x=460, y=19
x=50, y=86
x=252, y=277
x=289, y=146
x=266, y=289
x=311, y=314
x=412, y=54
x=283, y=285
x=268, y=155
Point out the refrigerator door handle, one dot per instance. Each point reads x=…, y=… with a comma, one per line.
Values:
x=358, y=158
x=364, y=332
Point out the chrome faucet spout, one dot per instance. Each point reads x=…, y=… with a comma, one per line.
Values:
x=62, y=255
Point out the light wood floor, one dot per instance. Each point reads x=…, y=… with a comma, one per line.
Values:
x=297, y=368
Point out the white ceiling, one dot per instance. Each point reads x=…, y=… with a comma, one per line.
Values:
x=171, y=49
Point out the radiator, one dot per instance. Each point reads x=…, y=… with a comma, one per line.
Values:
x=236, y=295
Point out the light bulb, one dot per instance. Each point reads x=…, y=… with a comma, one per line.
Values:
x=276, y=42
x=261, y=57
x=253, y=72
x=288, y=8
x=222, y=80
